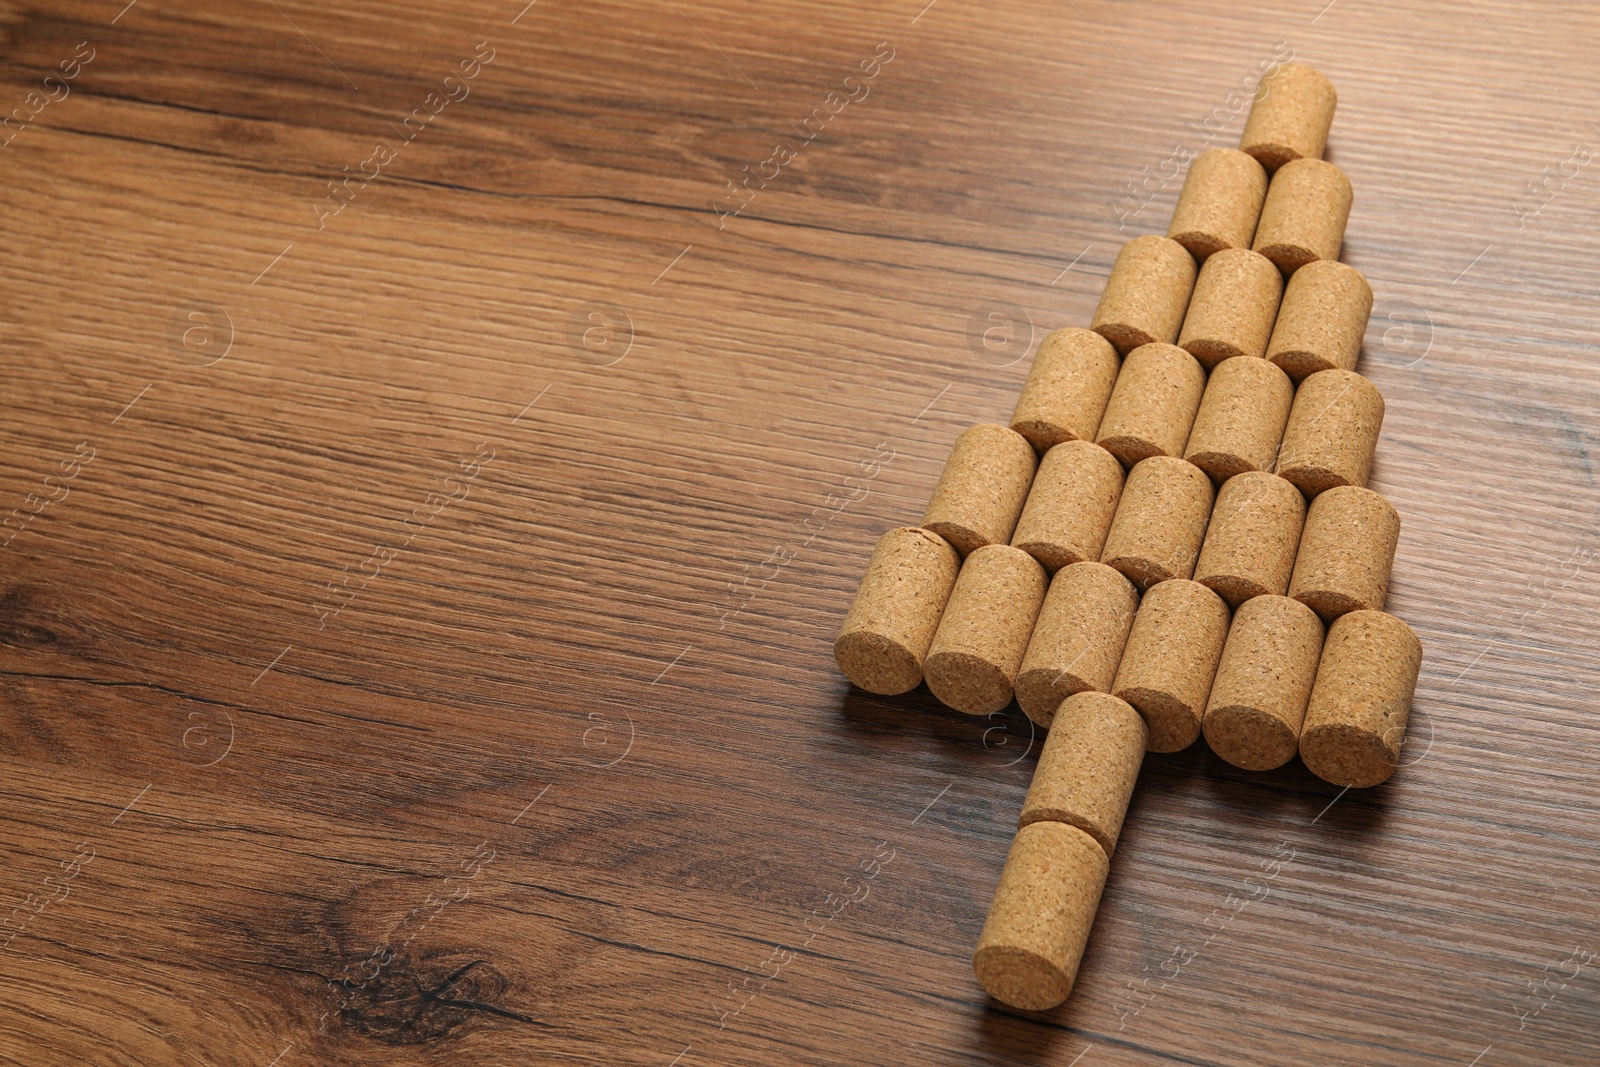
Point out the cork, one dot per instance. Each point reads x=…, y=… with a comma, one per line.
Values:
x=1160, y=521
x=1086, y=772
x=1241, y=419
x=1322, y=319
x=1067, y=388
x=1170, y=659
x=890, y=626
x=1332, y=432
x=981, y=492
x=1291, y=116
x=1356, y=719
x=1146, y=294
x=1070, y=506
x=1078, y=639
x=977, y=650
x=1346, y=552
x=1153, y=404
x=1251, y=541
x=1308, y=204
x=1258, y=700
x=1234, y=305
x=1220, y=202
x=1039, y=922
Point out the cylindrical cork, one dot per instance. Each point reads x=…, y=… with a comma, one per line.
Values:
x=1078, y=639
x=977, y=650
x=981, y=492
x=1322, y=319
x=1234, y=305
x=1258, y=699
x=1043, y=909
x=1088, y=766
x=1241, y=419
x=1070, y=506
x=1171, y=657
x=1356, y=719
x=1251, y=540
x=1291, y=116
x=1346, y=552
x=1160, y=521
x=1332, y=432
x=1220, y=202
x=1308, y=204
x=1067, y=388
x=890, y=626
x=1153, y=404
x=1146, y=294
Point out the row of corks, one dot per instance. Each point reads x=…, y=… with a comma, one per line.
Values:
x=1112, y=676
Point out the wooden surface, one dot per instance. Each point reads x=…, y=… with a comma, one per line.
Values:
x=415, y=624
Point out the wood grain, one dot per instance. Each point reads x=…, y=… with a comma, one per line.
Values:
x=443, y=674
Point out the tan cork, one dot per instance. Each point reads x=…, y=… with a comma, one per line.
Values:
x=1241, y=419
x=1356, y=719
x=1146, y=294
x=1070, y=506
x=1258, y=699
x=1332, y=432
x=1088, y=766
x=1303, y=220
x=1346, y=552
x=1291, y=116
x=1251, y=541
x=977, y=650
x=981, y=492
x=890, y=626
x=1078, y=639
x=1234, y=305
x=1067, y=388
x=1039, y=922
x=1160, y=521
x=1220, y=202
x=1170, y=659
x=1322, y=319
x=1153, y=404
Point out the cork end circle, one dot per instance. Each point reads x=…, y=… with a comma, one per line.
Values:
x=877, y=663
x=1289, y=258
x=1124, y=337
x=1312, y=480
x=967, y=683
x=1347, y=755
x=1302, y=365
x=1249, y=738
x=1173, y=725
x=1040, y=693
x=1271, y=156
x=1020, y=978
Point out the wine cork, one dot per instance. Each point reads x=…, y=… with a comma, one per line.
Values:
x=1078, y=639
x=1220, y=202
x=1356, y=719
x=1234, y=305
x=1160, y=521
x=891, y=624
x=1241, y=419
x=1258, y=700
x=1170, y=659
x=1322, y=319
x=1346, y=552
x=1090, y=761
x=1332, y=432
x=1291, y=116
x=1038, y=925
x=1153, y=404
x=1250, y=543
x=1303, y=220
x=977, y=650
x=1146, y=294
x=1067, y=388
x=981, y=492
x=1070, y=506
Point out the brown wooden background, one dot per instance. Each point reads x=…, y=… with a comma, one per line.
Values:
x=571, y=776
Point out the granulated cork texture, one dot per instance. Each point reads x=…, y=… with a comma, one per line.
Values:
x=1146, y=295
x=1234, y=305
x=1067, y=389
x=983, y=487
x=1070, y=506
x=1153, y=404
x=1220, y=202
x=1332, y=432
x=1241, y=419
x=1264, y=678
x=976, y=652
x=890, y=627
x=1356, y=718
x=1346, y=552
x=1303, y=220
x=1322, y=319
x=1170, y=660
x=1291, y=116
x=1078, y=638
x=1088, y=766
x=1250, y=544
x=1160, y=522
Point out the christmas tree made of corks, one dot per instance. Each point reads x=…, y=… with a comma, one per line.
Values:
x=1172, y=538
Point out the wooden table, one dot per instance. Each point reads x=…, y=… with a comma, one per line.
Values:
x=437, y=492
